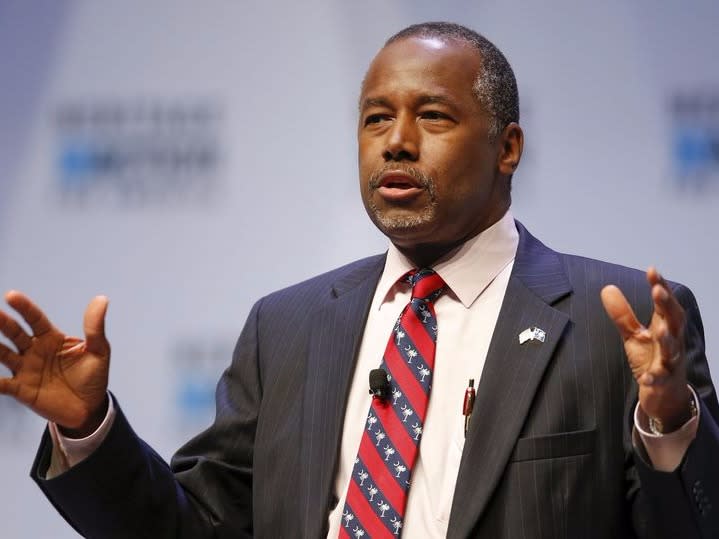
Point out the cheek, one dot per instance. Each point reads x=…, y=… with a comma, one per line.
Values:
x=463, y=183
x=456, y=170
x=366, y=160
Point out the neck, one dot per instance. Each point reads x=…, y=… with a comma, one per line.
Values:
x=424, y=255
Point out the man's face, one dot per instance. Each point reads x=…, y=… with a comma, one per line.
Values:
x=428, y=171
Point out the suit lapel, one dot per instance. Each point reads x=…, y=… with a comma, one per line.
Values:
x=510, y=377
x=336, y=330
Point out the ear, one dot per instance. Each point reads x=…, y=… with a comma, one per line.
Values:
x=510, y=145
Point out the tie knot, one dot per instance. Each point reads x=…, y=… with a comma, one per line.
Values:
x=426, y=284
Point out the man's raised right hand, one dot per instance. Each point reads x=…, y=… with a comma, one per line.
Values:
x=61, y=378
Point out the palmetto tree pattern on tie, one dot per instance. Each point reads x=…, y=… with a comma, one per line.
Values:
x=377, y=494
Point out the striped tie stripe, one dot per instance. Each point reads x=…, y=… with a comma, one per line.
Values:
x=377, y=494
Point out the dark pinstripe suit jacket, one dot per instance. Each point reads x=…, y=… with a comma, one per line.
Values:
x=548, y=454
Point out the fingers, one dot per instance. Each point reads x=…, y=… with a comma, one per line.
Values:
x=668, y=320
x=620, y=311
x=668, y=327
x=94, y=326
x=665, y=303
x=655, y=353
x=30, y=312
x=13, y=331
x=9, y=358
x=8, y=386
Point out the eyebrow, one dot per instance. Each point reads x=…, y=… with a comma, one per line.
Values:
x=422, y=100
x=374, y=102
x=440, y=99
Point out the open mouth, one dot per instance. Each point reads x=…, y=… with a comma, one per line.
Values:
x=398, y=186
x=398, y=180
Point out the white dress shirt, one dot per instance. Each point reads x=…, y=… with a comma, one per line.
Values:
x=476, y=275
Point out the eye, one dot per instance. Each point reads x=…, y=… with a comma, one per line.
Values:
x=433, y=115
x=376, y=118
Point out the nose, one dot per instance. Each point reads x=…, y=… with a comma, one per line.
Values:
x=402, y=140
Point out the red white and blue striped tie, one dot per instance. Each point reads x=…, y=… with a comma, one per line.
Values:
x=377, y=494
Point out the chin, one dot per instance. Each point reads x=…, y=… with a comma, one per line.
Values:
x=402, y=223
x=405, y=231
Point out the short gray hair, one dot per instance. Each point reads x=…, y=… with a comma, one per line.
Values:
x=495, y=86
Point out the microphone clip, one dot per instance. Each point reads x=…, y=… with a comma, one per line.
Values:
x=379, y=384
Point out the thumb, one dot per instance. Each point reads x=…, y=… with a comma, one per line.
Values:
x=619, y=311
x=94, y=326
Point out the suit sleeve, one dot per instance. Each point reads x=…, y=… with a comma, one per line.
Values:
x=685, y=502
x=124, y=489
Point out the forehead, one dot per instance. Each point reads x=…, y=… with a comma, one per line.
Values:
x=423, y=65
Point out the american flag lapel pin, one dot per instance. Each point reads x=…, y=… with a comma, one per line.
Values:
x=532, y=334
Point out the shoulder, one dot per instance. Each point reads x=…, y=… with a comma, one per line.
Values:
x=327, y=285
x=589, y=272
x=582, y=269
x=533, y=255
x=587, y=276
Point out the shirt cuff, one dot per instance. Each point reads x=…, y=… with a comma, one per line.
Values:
x=665, y=451
x=67, y=452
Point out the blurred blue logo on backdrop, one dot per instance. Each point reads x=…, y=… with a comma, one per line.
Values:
x=695, y=117
x=138, y=153
x=197, y=366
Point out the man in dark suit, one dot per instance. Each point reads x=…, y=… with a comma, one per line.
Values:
x=578, y=430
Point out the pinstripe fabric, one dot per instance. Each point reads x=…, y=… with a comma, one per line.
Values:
x=551, y=453
x=548, y=454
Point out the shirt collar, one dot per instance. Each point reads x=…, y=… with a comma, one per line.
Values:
x=467, y=270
